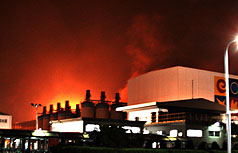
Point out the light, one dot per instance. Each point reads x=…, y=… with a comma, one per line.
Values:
x=173, y=133
x=92, y=127
x=194, y=133
x=131, y=129
x=154, y=145
x=180, y=134
x=236, y=40
x=36, y=106
x=68, y=126
x=159, y=132
x=228, y=112
x=40, y=133
x=124, y=108
x=146, y=131
x=85, y=135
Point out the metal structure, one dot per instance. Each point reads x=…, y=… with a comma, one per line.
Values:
x=36, y=106
x=228, y=111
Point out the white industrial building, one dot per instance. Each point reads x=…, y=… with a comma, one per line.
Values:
x=176, y=83
x=182, y=102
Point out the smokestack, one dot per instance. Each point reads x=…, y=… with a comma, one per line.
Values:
x=117, y=98
x=103, y=96
x=77, y=110
x=66, y=105
x=44, y=110
x=58, y=107
x=51, y=109
x=88, y=95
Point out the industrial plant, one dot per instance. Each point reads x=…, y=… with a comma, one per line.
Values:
x=167, y=106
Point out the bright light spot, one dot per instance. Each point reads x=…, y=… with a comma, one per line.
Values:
x=236, y=39
x=85, y=135
x=154, y=145
x=180, y=134
x=146, y=131
x=173, y=133
x=72, y=126
x=40, y=133
x=217, y=124
x=131, y=129
x=92, y=127
x=194, y=133
x=215, y=127
x=159, y=132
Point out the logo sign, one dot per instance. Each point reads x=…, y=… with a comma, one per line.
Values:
x=220, y=91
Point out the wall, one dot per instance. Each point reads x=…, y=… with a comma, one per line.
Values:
x=5, y=121
x=68, y=126
x=176, y=83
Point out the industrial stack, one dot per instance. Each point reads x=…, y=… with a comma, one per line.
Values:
x=87, y=107
x=102, y=108
x=117, y=115
x=97, y=109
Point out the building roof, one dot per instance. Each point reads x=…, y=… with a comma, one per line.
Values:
x=103, y=121
x=199, y=104
x=113, y=122
x=3, y=113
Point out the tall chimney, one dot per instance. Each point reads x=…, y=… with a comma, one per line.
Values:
x=66, y=105
x=77, y=110
x=117, y=98
x=51, y=109
x=88, y=95
x=103, y=96
x=58, y=107
x=44, y=110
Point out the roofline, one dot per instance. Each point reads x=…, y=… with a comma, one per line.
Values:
x=180, y=66
x=136, y=106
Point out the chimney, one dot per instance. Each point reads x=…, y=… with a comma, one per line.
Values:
x=117, y=98
x=51, y=109
x=77, y=110
x=58, y=107
x=88, y=95
x=67, y=107
x=103, y=96
x=44, y=110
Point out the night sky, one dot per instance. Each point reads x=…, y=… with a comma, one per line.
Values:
x=54, y=50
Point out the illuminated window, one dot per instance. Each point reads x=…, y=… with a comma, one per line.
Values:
x=173, y=133
x=214, y=133
x=194, y=133
x=92, y=127
x=154, y=145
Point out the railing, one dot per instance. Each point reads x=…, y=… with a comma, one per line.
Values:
x=171, y=117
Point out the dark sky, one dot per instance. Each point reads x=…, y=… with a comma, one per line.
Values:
x=54, y=50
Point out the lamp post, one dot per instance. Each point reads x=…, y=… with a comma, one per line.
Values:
x=228, y=112
x=36, y=106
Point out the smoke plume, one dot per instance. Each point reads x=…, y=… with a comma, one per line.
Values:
x=146, y=45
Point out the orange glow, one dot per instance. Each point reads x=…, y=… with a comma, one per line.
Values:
x=73, y=101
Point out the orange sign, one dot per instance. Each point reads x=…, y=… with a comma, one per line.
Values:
x=220, y=91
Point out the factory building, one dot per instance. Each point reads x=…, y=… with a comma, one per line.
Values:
x=182, y=102
x=91, y=115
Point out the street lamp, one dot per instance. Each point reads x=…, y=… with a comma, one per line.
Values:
x=36, y=106
x=228, y=112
